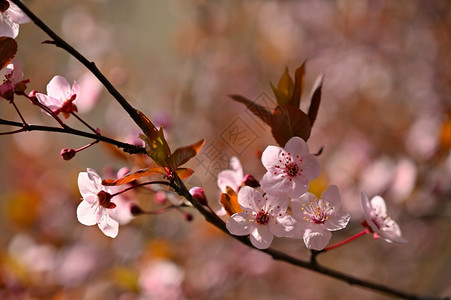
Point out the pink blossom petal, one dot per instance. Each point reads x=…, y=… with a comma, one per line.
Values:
x=297, y=186
x=229, y=178
x=316, y=239
x=378, y=205
x=271, y=156
x=283, y=226
x=8, y=27
x=248, y=198
x=108, y=225
x=310, y=166
x=50, y=102
x=296, y=145
x=276, y=204
x=16, y=14
x=86, y=186
x=86, y=213
x=239, y=224
x=337, y=221
x=261, y=237
x=391, y=232
x=332, y=195
x=273, y=184
x=59, y=88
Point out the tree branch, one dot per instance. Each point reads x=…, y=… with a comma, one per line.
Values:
x=132, y=149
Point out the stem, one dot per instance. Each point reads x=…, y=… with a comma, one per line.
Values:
x=139, y=185
x=84, y=123
x=365, y=231
x=20, y=115
x=132, y=149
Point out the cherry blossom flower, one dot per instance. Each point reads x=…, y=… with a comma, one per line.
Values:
x=60, y=96
x=13, y=82
x=96, y=206
x=10, y=18
x=318, y=217
x=378, y=221
x=232, y=178
x=262, y=217
x=289, y=170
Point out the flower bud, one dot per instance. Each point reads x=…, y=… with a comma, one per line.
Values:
x=135, y=210
x=199, y=195
x=188, y=217
x=250, y=180
x=67, y=154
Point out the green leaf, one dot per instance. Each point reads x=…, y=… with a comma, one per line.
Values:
x=315, y=99
x=8, y=49
x=298, y=85
x=280, y=96
x=255, y=108
x=289, y=121
x=184, y=154
x=133, y=176
x=156, y=145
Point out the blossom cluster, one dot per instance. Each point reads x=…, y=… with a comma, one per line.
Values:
x=285, y=208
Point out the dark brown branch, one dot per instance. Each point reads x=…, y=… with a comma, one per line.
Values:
x=132, y=149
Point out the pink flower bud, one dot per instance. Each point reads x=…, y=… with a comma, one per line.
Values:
x=199, y=195
x=250, y=180
x=67, y=154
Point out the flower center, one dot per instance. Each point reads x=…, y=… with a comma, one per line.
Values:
x=105, y=200
x=317, y=211
x=262, y=217
x=291, y=169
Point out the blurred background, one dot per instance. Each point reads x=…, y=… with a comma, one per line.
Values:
x=384, y=123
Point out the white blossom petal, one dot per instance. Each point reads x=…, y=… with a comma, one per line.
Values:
x=16, y=14
x=296, y=145
x=8, y=27
x=59, y=88
x=108, y=225
x=283, y=226
x=86, y=213
x=240, y=224
x=316, y=239
x=261, y=237
x=249, y=198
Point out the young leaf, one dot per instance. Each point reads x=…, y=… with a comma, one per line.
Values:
x=156, y=145
x=255, y=108
x=184, y=173
x=280, y=96
x=133, y=176
x=298, y=85
x=229, y=201
x=286, y=84
x=184, y=154
x=315, y=99
x=289, y=121
x=8, y=49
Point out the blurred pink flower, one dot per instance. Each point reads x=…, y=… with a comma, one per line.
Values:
x=318, y=217
x=377, y=219
x=232, y=178
x=289, y=170
x=162, y=279
x=96, y=207
x=10, y=18
x=60, y=96
x=262, y=217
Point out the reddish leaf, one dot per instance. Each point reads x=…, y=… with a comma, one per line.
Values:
x=133, y=176
x=8, y=49
x=315, y=99
x=229, y=201
x=255, y=108
x=157, y=147
x=280, y=96
x=298, y=85
x=289, y=121
x=184, y=154
x=184, y=173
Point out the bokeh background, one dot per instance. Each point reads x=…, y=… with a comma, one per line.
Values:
x=384, y=122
